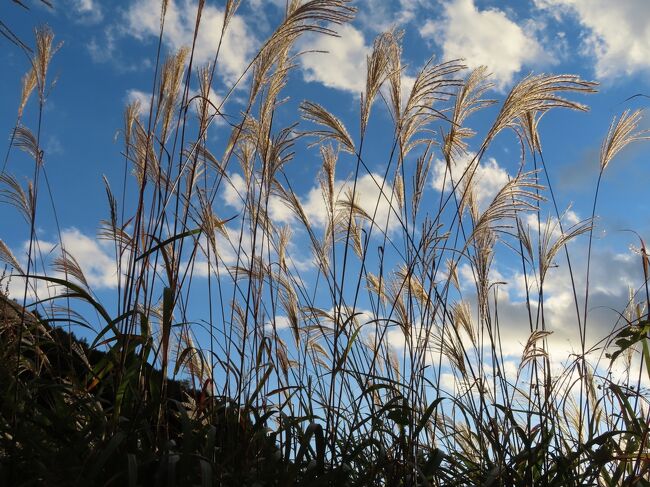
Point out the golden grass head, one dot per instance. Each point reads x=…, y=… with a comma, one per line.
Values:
x=28, y=85
x=622, y=132
x=45, y=50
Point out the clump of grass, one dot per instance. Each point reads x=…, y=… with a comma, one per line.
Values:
x=232, y=400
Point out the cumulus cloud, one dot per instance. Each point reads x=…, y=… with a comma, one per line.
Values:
x=608, y=296
x=259, y=4
x=617, y=34
x=340, y=62
x=143, y=21
x=489, y=177
x=368, y=193
x=610, y=281
x=215, y=101
x=95, y=257
x=235, y=248
x=278, y=323
x=369, y=196
x=484, y=37
x=228, y=241
x=234, y=192
x=342, y=65
x=143, y=98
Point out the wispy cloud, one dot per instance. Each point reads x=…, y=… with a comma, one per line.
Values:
x=53, y=145
x=86, y=11
x=380, y=15
x=103, y=47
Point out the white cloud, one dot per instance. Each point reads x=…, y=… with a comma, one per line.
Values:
x=488, y=179
x=139, y=96
x=342, y=66
x=484, y=37
x=143, y=21
x=279, y=323
x=608, y=293
x=234, y=247
x=340, y=62
x=36, y=290
x=571, y=217
x=95, y=257
x=16, y=284
x=215, y=101
x=617, y=33
x=610, y=280
x=228, y=254
x=368, y=196
x=234, y=191
x=279, y=211
x=258, y=4
x=86, y=11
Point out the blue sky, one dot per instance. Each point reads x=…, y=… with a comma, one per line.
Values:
x=106, y=61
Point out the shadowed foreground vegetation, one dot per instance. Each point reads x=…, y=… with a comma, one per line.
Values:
x=291, y=377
